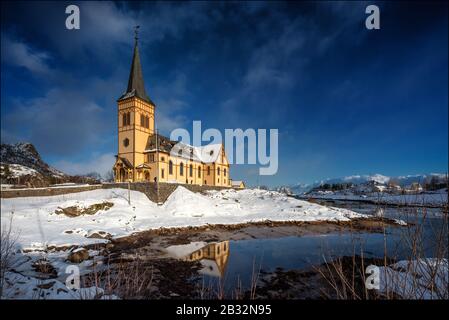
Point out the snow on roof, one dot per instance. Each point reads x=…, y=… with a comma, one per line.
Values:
x=236, y=182
x=206, y=154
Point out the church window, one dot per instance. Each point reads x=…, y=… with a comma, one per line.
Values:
x=191, y=171
x=218, y=171
x=205, y=182
x=181, y=169
x=124, y=119
x=162, y=173
x=147, y=122
x=224, y=172
x=151, y=157
x=142, y=120
x=128, y=118
x=208, y=171
x=170, y=167
x=199, y=172
x=180, y=152
x=162, y=159
x=126, y=142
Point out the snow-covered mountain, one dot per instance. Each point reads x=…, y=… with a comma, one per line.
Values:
x=360, y=180
x=21, y=164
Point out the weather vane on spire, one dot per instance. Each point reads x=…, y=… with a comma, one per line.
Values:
x=136, y=30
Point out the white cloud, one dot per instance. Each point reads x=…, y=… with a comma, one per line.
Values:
x=101, y=164
x=18, y=53
x=62, y=122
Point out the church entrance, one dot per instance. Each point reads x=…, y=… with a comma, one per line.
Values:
x=122, y=175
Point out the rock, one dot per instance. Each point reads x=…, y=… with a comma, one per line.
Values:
x=78, y=255
x=46, y=285
x=99, y=235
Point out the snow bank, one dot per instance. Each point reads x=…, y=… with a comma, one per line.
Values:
x=432, y=198
x=35, y=220
x=18, y=286
x=417, y=279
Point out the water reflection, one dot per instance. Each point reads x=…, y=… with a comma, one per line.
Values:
x=213, y=256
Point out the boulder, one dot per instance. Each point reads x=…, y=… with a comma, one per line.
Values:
x=78, y=255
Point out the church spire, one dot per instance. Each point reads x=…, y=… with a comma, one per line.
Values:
x=136, y=86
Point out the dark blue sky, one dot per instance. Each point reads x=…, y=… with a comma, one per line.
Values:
x=346, y=100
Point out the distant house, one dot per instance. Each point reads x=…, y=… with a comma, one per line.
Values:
x=237, y=184
x=415, y=187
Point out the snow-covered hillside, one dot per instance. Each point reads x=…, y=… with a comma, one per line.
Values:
x=379, y=179
x=38, y=223
x=21, y=164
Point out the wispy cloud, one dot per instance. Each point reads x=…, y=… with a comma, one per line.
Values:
x=62, y=122
x=101, y=164
x=17, y=53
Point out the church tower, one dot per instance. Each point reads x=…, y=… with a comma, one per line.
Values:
x=135, y=121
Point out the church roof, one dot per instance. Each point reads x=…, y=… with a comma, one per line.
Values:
x=125, y=162
x=136, y=86
x=205, y=154
x=164, y=143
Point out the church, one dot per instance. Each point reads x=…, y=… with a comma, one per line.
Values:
x=146, y=156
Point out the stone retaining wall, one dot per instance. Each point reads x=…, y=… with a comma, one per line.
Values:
x=148, y=188
x=42, y=192
x=165, y=189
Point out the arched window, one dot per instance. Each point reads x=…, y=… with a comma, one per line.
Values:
x=191, y=171
x=170, y=167
x=124, y=119
x=147, y=122
x=218, y=171
x=128, y=118
x=208, y=170
x=199, y=172
x=142, y=120
x=181, y=169
x=224, y=172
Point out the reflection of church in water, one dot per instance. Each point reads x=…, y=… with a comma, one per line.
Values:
x=213, y=257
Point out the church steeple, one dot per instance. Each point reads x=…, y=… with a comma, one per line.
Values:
x=136, y=86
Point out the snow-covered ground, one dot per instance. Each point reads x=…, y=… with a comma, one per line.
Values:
x=37, y=224
x=417, y=279
x=425, y=198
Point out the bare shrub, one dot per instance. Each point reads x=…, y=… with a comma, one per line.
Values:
x=416, y=277
x=7, y=245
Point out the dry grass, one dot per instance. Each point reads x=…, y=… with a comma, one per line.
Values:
x=346, y=276
x=7, y=245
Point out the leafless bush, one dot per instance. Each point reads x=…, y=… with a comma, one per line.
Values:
x=420, y=277
x=127, y=280
x=7, y=245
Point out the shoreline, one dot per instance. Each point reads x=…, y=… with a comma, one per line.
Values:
x=245, y=231
x=374, y=202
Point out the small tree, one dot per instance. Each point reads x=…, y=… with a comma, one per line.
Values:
x=109, y=176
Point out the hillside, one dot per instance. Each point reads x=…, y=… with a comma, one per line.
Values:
x=22, y=165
